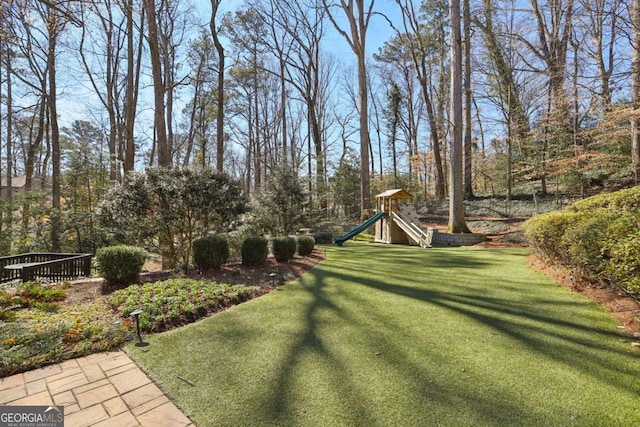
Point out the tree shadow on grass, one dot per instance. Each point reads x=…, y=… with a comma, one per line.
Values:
x=309, y=342
x=570, y=342
x=524, y=322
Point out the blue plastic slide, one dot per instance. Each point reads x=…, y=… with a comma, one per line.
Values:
x=359, y=229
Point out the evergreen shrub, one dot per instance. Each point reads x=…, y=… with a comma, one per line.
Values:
x=210, y=252
x=255, y=250
x=120, y=265
x=323, y=237
x=598, y=238
x=284, y=248
x=545, y=234
x=306, y=245
x=585, y=241
x=623, y=252
x=236, y=238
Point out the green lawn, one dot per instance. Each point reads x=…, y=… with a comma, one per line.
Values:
x=381, y=335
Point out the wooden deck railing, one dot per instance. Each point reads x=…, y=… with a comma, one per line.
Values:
x=52, y=266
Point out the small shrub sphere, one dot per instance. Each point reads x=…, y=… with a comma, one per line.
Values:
x=254, y=251
x=306, y=245
x=120, y=265
x=323, y=237
x=210, y=252
x=284, y=248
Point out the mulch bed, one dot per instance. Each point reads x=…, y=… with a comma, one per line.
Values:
x=235, y=273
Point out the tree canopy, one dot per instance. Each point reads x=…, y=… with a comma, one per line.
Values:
x=94, y=92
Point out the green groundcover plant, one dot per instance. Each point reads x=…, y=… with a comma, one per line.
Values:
x=37, y=330
x=35, y=337
x=176, y=302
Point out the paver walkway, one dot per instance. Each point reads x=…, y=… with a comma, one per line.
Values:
x=104, y=389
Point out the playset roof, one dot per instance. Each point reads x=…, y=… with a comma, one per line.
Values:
x=397, y=193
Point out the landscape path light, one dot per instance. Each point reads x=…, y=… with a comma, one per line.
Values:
x=136, y=315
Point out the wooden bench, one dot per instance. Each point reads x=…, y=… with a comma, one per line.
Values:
x=52, y=266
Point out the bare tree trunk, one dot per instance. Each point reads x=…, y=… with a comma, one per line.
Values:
x=553, y=39
x=394, y=97
x=195, y=116
x=257, y=154
x=358, y=25
x=250, y=146
x=54, y=27
x=161, y=139
x=508, y=89
x=635, y=91
x=106, y=97
x=283, y=110
x=468, y=152
x=132, y=84
x=316, y=136
x=9, y=220
x=164, y=155
x=599, y=13
x=115, y=85
x=576, y=118
x=421, y=54
x=457, y=222
x=365, y=184
x=220, y=89
x=307, y=73
x=29, y=166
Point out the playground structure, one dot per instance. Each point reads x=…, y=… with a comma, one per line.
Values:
x=395, y=221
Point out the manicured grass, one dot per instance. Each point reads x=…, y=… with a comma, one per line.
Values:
x=381, y=335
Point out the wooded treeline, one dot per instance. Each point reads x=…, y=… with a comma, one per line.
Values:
x=94, y=89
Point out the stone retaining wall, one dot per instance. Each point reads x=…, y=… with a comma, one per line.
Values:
x=454, y=239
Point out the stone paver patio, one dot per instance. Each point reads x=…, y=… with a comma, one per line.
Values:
x=104, y=389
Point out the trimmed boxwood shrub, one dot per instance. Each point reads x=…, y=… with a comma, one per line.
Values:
x=545, y=232
x=210, y=252
x=323, y=237
x=120, y=265
x=585, y=241
x=623, y=252
x=255, y=250
x=598, y=238
x=284, y=248
x=306, y=245
x=619, y=201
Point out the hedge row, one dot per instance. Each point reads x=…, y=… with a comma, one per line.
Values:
x=120, y=266
x=213, y=252
x=598, y=238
